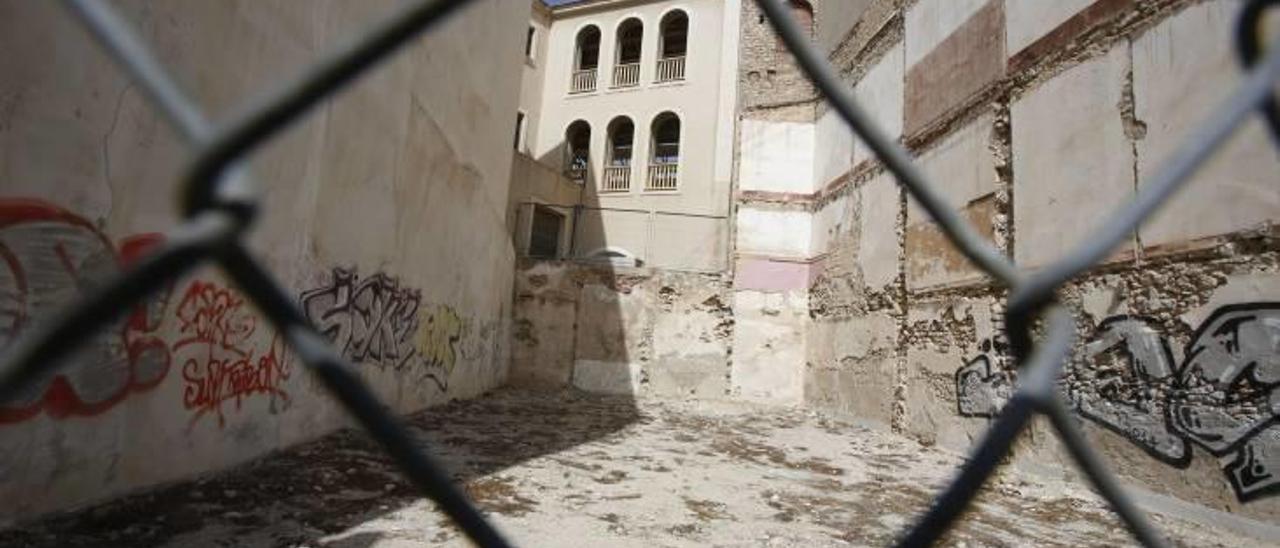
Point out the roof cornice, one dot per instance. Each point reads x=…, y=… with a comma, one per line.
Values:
x=591, y=6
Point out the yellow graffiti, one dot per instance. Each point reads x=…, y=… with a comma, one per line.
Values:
x=439, y=331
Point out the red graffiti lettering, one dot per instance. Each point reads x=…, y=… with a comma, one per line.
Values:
x=220, y=363
x=218, y=381
x=48, y=258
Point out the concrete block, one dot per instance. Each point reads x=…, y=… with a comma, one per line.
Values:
x=774, y=232
x=768, y=346
x=692, y=319
x=1172, y=66
x=1069, y=158
x=879, y=92
x=865, y=392
x=958, y=65
x=542, y=336
x=1029, y=20
x=601, y=377
x=833, y=223
x=611, y=324
x=762, y=274
x=776, y=156
x=833, y=148
x=877, y=231
x=964, y=169
x=699, y=378
x=851, y=366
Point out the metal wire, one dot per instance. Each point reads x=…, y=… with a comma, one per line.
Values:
x=220, y=208
x=219, y=204
x=1030, y=295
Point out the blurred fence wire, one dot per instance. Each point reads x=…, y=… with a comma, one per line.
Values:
x=219, y=205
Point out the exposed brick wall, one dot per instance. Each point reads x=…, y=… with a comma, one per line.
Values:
x=771, y=86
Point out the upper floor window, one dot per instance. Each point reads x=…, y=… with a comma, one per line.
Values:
x=577, y=140
x=528, y=42
x=665, y=151
x=617, y=171
x=673, y=45
x=626, y=71
x=586, y=60
x=622, y=135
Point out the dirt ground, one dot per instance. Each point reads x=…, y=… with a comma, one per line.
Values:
x=568, y=469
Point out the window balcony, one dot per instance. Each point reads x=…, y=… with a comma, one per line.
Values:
x=626, y=75
x=670, y=69
x=663, y=176
x=583, y=81
x=577, y=174
x=616, y=179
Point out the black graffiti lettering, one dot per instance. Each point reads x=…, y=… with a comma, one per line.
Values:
x=378, y=321
x=1222, y=398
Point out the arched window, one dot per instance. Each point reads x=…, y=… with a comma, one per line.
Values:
x=673, y=46
x=586, y=59
x=664, y=165
x=626, y=70
x=617, y=171
x=577, y=146
x=802, y=13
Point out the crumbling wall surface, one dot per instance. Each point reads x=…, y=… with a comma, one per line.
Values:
x=1035, y=120
x=383, y=214
x=631, y=331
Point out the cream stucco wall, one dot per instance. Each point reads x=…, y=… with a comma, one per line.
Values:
x=705, y=101
x=396, y=180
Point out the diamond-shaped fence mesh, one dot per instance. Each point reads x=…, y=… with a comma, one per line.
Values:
x=219, y=206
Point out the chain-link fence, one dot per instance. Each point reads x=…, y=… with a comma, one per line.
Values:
x=219, y=207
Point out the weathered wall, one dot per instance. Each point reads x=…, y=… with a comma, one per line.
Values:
x=772, y=255
x=626, y=331
x=384, y=214
x=1036, y=119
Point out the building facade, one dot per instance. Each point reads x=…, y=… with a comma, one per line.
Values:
x=632, y=101
x=1034, y=120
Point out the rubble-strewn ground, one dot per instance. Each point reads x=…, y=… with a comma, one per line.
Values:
x=557, y=470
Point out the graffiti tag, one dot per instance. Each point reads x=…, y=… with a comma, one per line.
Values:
x=377, y=321
x=49, y=257
x=1223, y=398
x=220, y=363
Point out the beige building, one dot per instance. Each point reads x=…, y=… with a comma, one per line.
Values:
x=632, y=103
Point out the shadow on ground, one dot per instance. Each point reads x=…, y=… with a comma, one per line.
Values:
x=331, y=484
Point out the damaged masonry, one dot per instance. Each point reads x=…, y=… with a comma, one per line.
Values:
x=627, y=273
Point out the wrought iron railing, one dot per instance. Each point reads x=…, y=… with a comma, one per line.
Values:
x=670, y=69
x=662, y=176
x=583, y=81
x=218, y=206
x=626, y=75
x=616, y=179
